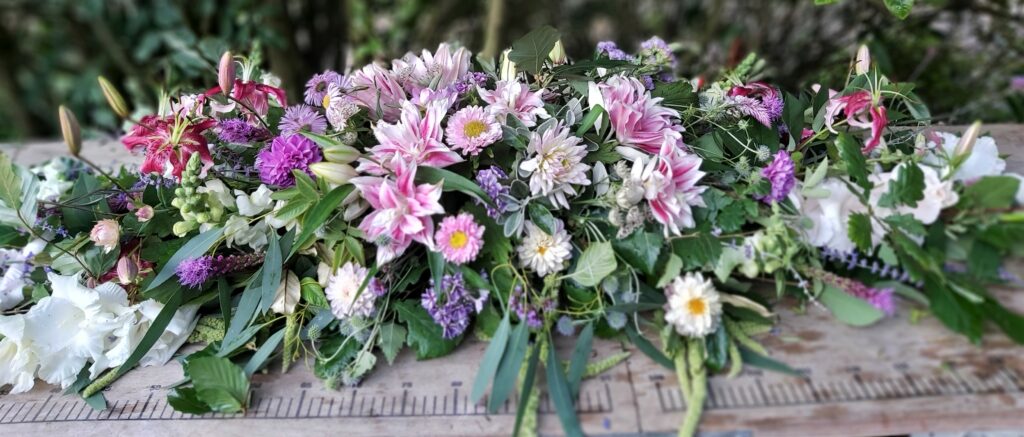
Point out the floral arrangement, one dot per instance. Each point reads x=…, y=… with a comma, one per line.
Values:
x=445, y=197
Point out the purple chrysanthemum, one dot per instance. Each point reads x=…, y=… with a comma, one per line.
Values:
x=316, y=88
x=193, y=272
x=489, y=180
x=780, y=173
x=301, y=118
x=451, y=306
x=286, y=153
x=610, y=49
x=239, y=131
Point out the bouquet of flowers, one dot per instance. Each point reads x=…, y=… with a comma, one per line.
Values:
x=444, y=196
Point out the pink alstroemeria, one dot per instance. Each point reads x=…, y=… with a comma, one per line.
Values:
x=417, y=138
x=401, y=213
x=861, y=111
x=169, y=141
x=253, y=95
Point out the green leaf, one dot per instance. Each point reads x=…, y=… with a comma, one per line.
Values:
x=305, y=185
x=984, y=260
x=757, y=360
x=588, y=121
x=186, y=400
x=856, y=164
x=424, y=334
x=859, y=231
x=323, y=141
x=673, y=266
x=906, y=189
x=640, y=250
x=561, y=397
x=259, y=358
x=991, y=192
x=542, y=217
x=526, y=388
x=678, y=94
x=578, y=360
x=717, y=347
x=452, y=181
x=698, y=250
x=906, y=222
x=508, y=370
x=271, y=272
x=312, y=293
x=219, y=383
x=596, y=262
x=392, y=337
x=1010, y=323
x=955, y=311
x=155, y=331
x=530, y=51
x=10, y=184
x=491, y=359
x=247, y=306
x=899, y=8
x=436, y=263
x=196, y=247
x=648, y=348
x=793, y=115
x=319, y=214
x=340, y=351
x=849, y=309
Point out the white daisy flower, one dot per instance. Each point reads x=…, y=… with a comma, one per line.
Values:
x=556, y=164
x=693, y=306
x=343, y=292
x=545, y=253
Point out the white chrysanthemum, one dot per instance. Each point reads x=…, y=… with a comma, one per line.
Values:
x=542, y=252
x=693, y=307
x=343, y=292
x=556, y=164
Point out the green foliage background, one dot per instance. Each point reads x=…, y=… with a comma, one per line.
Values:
x=963, y=54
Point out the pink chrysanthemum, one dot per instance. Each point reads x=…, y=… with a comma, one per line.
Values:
x=286, y=153
x=515, y=99
x=471, y=129
x=638, y=119
x=459, y=238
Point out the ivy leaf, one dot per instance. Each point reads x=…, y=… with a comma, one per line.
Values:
x=856, y=164
x=596, y=262
x=899, y=8
x=859, y=231
x=906, y=189
x=219, y=383
x=424, y=334
x=849, y=309
x=640, y=250
x=530, y=51
x=392, y=337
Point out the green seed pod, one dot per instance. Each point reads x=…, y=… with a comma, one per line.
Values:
x=114, y=98
x=70, y=129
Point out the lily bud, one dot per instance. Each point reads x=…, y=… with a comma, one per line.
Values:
x=226, y=73
x=557, y=54
x=967, y=140
x=114, y=99
x=862, y=64
x=333, y=172
x=70, y=129
x=127, y=270
x=341, y=154
x=144, y=213
x=508, y=68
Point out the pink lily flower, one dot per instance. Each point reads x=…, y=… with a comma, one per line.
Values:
x=253, y=94
x=861, y=111
x=417, y=138
x=169, y=141
x=401, y=213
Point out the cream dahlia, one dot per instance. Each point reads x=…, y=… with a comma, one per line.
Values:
x=556, y=164
x=693, y=306
x=545, y=253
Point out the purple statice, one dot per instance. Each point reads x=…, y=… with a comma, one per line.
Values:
x=656, y=52
x=531, y=313
x=450, y=305
x=880, y=298
x=648, y=82
x=194, y=272
x=489, y=180
x=610, y=49
x=153, y=180
x=302, y=118
x=239, y=131
x=286, y=153
x=316, y=88
x=781, y=174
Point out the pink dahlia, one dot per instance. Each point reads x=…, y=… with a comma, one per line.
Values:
x=515, y=99
x=377, y=90
x=169, y=142
x=638, y=119
x=671, y=187
x=758, y=100
x=471, y=129
x=416, y=139
x=861, y=111
x=459, y=238
x=438, y=71
x=286, y=153
x=401, y=211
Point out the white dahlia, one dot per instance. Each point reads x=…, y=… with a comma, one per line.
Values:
x=693, y=306
x=556, y=164
x=545, y=253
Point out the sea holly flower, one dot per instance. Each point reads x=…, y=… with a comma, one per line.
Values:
x=437, y=71
x=302, y=118
x=459, y=238
x=781, y=174
x=286, y=153
x=316, y=87
x=693, y=306
x=401, y=213
x=861, y=110
x=555, y=164
x=471, y=129
x=169, y=142
x=513, y=98
x=377, y=90
x=637, y=119
x=346, y=294
x=415, y=139
x=758, y=100
x=545, y=253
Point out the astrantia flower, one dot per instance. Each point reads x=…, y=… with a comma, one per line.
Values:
x=693, y=306
x=377, y=90
x=239, y=131
x=459, y=238
x=302, y=118
x=450, y=304
x=340, y=108
x=545, y=253
x=346, y=294
x=515, y=99
x=471, y=129
x=758, y=100
x=861, y=111
x=638, y=119
x=401, y=213
x=439, y=70
x=781, y=175
x=169, y=142
x=655, y=52
x=415, y=139
x=316, y=87
x=286, y=153
x=555, y=164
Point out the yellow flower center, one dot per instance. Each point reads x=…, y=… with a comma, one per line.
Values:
x=327, y=100
x=474, y=128
x=697, y=306
x=458, y=240
x=541, y=250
